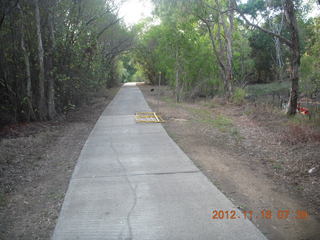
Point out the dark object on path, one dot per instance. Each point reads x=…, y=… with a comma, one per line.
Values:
x=152, y=89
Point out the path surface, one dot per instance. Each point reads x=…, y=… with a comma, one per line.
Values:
x=133, y=182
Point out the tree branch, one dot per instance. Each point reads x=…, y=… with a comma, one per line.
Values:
x=108, y=26
x=212, y=42
x=281, y=38
x=7, y=11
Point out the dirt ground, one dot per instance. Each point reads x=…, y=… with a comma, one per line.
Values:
x=254, y=155
x=36, y=163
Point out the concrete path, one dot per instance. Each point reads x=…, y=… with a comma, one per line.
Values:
x=133, y=182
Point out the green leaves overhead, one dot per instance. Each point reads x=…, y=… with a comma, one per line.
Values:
x=81, y=40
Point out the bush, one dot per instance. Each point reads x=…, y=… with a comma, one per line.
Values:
x=310, y=75
x=239, y=96
x=264, y=89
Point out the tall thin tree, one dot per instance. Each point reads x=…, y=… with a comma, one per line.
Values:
x=30, y=114
x=292, y=43
x=51, y=78
x=41, y=80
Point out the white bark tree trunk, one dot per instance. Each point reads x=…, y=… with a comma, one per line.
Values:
x=51, y=91
x=31, y=115
x=41, y=82
x=293, y=44
x=177, y=89
x=295, y=56
x=224, y=50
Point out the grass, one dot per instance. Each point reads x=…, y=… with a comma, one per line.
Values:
x=203, y=114
x=169, y=100
x=297, y=119
x=239, y=96
x=277, y=166
x=235, y=133
x=305, y=120
x=2, y=200
x=268, y=88
x=209, y=104
x=300, y=188
x=221, y=122
x=56, y=196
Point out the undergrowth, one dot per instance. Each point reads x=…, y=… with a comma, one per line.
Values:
x=219, y=121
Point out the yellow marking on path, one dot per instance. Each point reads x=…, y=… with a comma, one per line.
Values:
x=148, y=117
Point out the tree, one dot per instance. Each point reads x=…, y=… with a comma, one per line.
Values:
x=51, y=78
x=292, y=43
x=219, y=16
x=180, y=49
x=310, y=63
x=262, y=49
x=53, y=54
x=41, y=80
x=31, y=115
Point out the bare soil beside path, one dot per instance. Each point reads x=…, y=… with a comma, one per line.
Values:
x=36, y=163
x=256, y=159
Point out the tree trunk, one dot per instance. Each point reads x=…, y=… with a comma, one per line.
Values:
x=30, y=115
x=295, y=56
x=51, y=91
x=215, y=51
x=41, y=97
x=228, y=30
x=224, y=50
x=177, y=85
x=277, y=28
x=279, y=59
x=293, y=44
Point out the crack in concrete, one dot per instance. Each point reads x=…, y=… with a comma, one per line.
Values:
x=134, y=192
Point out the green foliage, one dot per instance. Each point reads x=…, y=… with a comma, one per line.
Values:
x=181, y=49
x=138, y=75
x=243, y=62
x=268, y=88
x=122, y=71
x=3, y=201
x=310, y=75
x=310, y=62
x=88, y=49
x=262, y=51
x=223, y=123
x=127, y=68
x=239, y=95
x=253, y=7
x=220, y=121
x=81, y=55
x=179, y=44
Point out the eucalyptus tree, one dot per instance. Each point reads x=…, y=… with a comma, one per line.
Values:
x=215, y=19
x=218, y=17
x=310, y=62
x=206, y=29
x=292, y=42
x=26, y=56
x=41, y=76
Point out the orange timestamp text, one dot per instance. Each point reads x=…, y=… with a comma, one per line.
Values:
x=263, y=214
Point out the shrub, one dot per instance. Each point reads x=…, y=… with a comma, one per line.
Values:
x=239, y=96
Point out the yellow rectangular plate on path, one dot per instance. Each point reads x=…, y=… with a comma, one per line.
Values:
x=148, y=117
